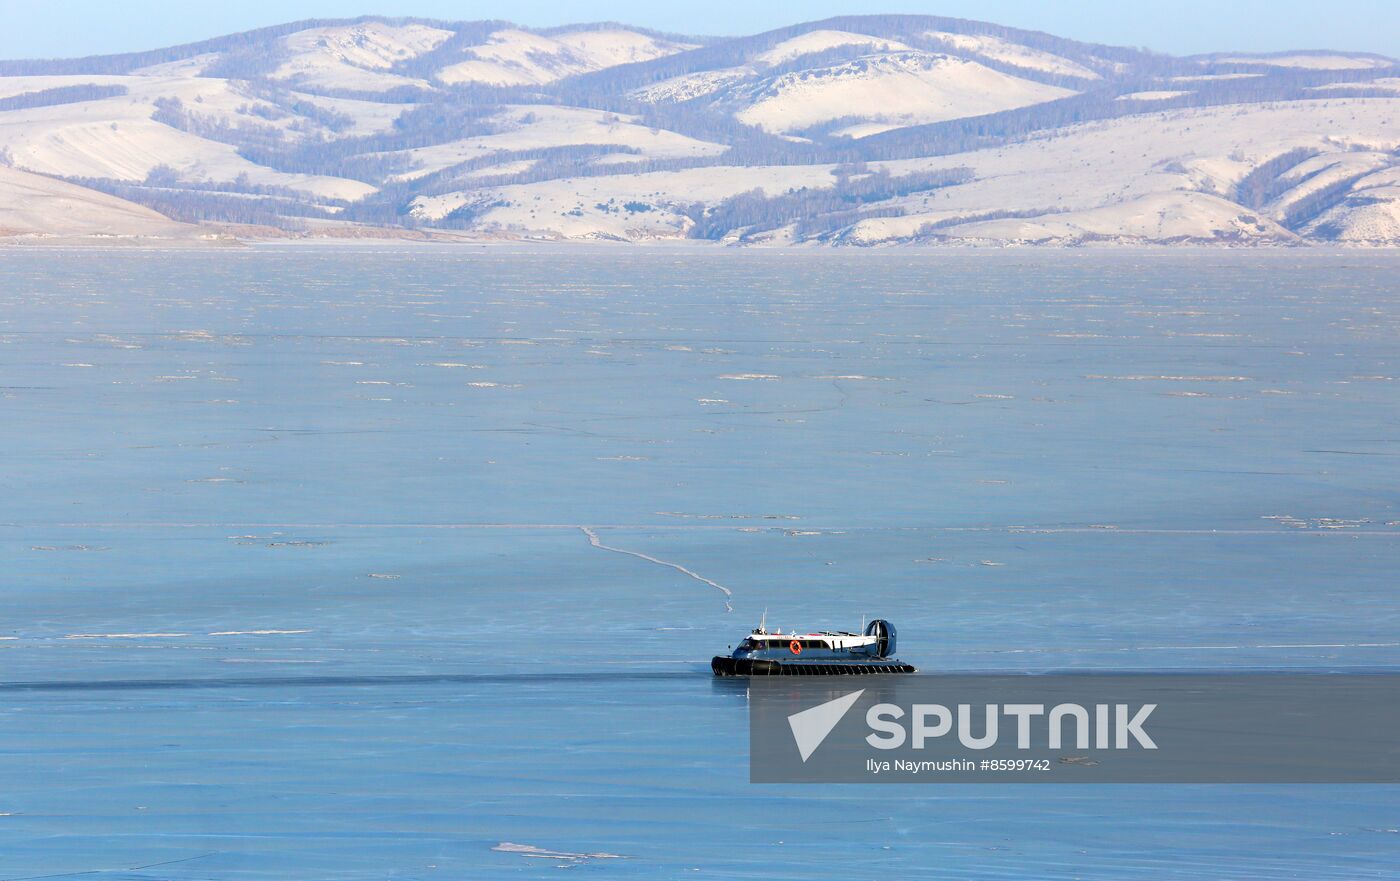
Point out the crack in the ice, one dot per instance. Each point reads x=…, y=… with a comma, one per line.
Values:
x=728, y=594
x=105, y=871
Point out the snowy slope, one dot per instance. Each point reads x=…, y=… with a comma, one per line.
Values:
x=900, y=88
x=1152, y=95
x=690, y=85
x=1309, y=61
x=36, y=206
x=1094, y=165
x=708, y=82
x=1384, y=84
x=517, y=57
x=1369, y=216
x=1016, y=54
x=862, y=130
x=820, y=41
x=548, y=208
x=1312, y=176
x=356, y=57
x=609, y=47
x=1160, y=177
x=117, y=138
x=1169, y=217
x=539, y=126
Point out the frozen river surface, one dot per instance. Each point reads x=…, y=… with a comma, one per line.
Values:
x=361, y=563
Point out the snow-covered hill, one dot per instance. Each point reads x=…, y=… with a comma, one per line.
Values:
x=855, y=131
x=514, y=57
x=360, y=57
x=891, y=90
x=35, y=208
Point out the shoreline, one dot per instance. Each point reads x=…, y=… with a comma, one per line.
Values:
x=688, y=246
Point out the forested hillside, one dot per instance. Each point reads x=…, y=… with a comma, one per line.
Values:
x=860, y=130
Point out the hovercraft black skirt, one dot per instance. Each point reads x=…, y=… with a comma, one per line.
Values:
x=760, y=667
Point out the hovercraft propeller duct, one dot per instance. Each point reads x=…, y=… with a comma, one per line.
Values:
x=883, y=631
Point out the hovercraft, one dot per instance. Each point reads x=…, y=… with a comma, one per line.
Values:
x=827, y=653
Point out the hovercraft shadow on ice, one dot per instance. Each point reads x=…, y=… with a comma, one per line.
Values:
x=828, y=653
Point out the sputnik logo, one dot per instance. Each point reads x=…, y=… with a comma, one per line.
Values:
x=811, y=726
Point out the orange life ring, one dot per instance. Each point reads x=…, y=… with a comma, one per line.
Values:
x=795, y=647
